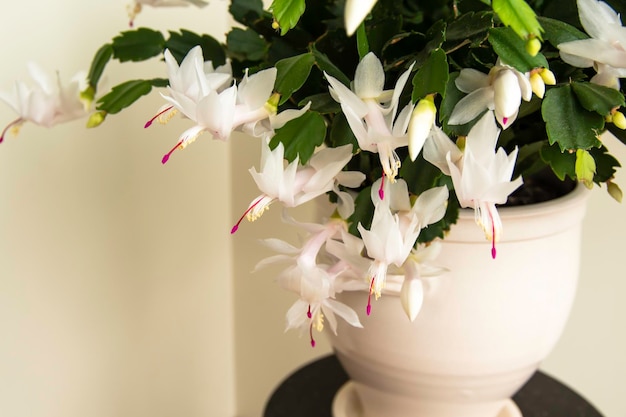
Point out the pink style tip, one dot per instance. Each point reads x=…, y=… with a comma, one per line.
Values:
x=165, y=158
x=234, y=229
x=493, y=252
x=368, y=309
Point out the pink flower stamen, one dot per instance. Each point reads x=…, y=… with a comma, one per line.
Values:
x=159, y=114
x=505, y=120
x=493, y=237
x=245, y=213
x=166, y=157
x=311, y=335
x=381, y=189
x=308, y=313
x=9, y=126
x=368, y=309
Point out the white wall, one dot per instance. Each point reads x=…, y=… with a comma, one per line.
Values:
x=115, y=290
x=121, y=292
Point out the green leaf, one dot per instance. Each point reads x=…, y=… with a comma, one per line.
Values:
x=123, y=95
x=512, y=50
x=341, y=134
x=420, y=175
x=620, y=134
x=363, y=211
x=598, y=98
x=322, y=103
x=585, y=167
x=99, y=62
x=179, y=44
x=246, y=11
x=325, y=65
x=468, y=25
x=557, y=31
x=567, y=122
x=519, y=16
x=246, y=45
x=362, y=44
x=606, y=164
x=563, y=164
x=432, y=77
x=138, y=45
x=301, y=136
x=292, y=74
x=287, y=13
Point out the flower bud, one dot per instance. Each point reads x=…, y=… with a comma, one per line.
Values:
x=614, y=191
x=96, y=119
x=533, y=46
x=537, y=85
x=619, y=120
x=547, y=76
x=422, y=120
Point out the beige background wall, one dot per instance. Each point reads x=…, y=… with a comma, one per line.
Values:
x=122, y=293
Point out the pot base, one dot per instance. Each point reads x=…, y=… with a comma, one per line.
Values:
x=347, y=404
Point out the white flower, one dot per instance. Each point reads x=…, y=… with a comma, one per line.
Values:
x=422, y=121
x=294, y=184
x=416, y=267
x=47, y=102
x=395, y=228
x=605, y=50
x=198, y=94
x=502, y=91
x=315, y=283
x=481, y=176
x=371, y=111
x=135, y=7
x=356, y=11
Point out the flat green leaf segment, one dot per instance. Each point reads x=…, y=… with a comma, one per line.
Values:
x=179, y=44
x=512, y=50
x=125, y=94
x=432, y=77
x=597, y=98
x=301, y=136
x=287, y=13
x=246, y=45
x=519, y=16
x=585, y=167
x=292, y=74
x=556, y=31
x=138, y=45
x=568, y=123
x=99, y=62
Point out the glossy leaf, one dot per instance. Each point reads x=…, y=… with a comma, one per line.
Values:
x=287, y=13
x=557, y=31
x=292, y=74
x=432, y=77
x=341, y=134
x=179, y=44
x=512, y=50
x=567, y=122
x=598, y=98
x=519, y=16
x=99, y=62
x=246, y=11
x=138, y=45
x=322, y=103
x=246, y=45
x=563, y=164
x=325, y=64
x=585, y=167
x=123, y=95
x=363, y=212
x=301, y=136
x=468, y=25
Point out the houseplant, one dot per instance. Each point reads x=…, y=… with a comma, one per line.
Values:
x=398, y=60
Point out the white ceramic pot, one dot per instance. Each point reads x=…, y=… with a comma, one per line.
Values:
x=484, y=326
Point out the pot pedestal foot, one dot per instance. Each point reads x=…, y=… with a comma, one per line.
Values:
x=348, y=404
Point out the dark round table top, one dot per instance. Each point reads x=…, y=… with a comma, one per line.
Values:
x=310, y=390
